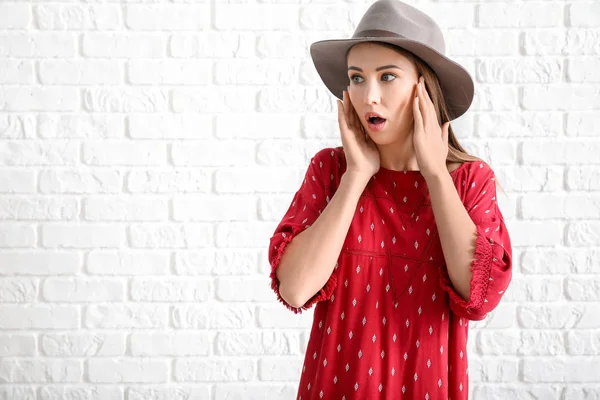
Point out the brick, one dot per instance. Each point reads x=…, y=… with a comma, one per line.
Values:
x=182, y=180
x=172, y=17
x=40, y=371
x=138, y=45
x=214, y=370
x=259, y=72
x=296, y=99
x=124, y=153
x=213, y=316
x=170, y=126
x=39, y=153
x=539, y=15
x=158, y=393
x=171, y=290
x=28, y=98
x=212, y=153
x=85, y=344
x=487, y=369
x=575, y=206
x=215, y=262
x=87, y=392
x=546, y=70
x=15, y=16
x=17, y=235
x=125, y=99
x=79, y=180
x=130, y=208
x=38, y=44
x=214, y=99
x=88, y=72
x=257, y=343
x=574, y=369
x=561, y=97
x=258, y=126
x=585, y=177
x=583, y=14
x=210, y=44
x=18, y=290
x=537, y=152
x=557, y=316
x=255, y=17
x=13, y=392
x=38, y=208
x=172, y=344
x=83, y=290
x=17, y=344
x=126, y=316
x=279, y=368
x=251, y=289
x=77, y=17
x=127, y=263
x=39, y=263
x=170, y=72
x=17, y=127
x=560, y=261
x=583, y=69
x=582, y=234
x=171, y=236
x=17, y=181
x=82, y=236
x=534, y=289
x=214, y=208
x=126, y=370
x=81, y=126
x=518, y=124
x=253, y=180
x=39, y=317
x=582, y=124
x=255, y=391
x=481, y=43
x=16, y=71
x=583, y=342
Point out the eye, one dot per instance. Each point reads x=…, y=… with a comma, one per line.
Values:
x=355, y=76
x=388, y=74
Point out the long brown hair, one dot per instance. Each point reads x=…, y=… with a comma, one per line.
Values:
x=456, y=152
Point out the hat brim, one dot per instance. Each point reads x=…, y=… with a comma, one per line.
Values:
x=329, y=58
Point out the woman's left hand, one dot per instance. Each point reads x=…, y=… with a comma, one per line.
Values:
x=429, y=139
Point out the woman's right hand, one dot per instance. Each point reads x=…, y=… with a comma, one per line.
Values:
x=362, y=156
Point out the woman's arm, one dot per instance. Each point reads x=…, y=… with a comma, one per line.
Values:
x=309, y=259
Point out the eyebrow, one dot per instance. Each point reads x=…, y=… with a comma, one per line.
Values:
x=377, y=69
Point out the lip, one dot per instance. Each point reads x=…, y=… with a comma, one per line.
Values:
x=372, y=114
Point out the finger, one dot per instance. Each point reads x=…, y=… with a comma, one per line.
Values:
x=445, y=130
x=341, y=119
x=422, y=106
x=346, y=108
x=417, y=116
x=427, y=100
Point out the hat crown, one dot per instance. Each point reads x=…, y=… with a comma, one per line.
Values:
x=392, y=18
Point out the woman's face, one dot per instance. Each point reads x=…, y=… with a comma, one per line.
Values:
x=382, y=81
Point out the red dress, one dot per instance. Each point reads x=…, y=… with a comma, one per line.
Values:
x=388, y=324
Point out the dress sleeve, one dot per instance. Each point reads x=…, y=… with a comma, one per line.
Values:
x=307, y=204
x=492, y=260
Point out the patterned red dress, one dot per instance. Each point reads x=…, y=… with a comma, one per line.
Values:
x=388, y=324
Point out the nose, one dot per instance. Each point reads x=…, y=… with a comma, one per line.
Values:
x=373, y=93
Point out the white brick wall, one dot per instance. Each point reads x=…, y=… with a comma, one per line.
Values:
x=148, y=150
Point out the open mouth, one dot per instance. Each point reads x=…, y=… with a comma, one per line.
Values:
x=376, y=123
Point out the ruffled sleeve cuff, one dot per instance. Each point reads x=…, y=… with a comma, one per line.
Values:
x=279, y=247
x=481, y=268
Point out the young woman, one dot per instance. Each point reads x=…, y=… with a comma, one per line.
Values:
x=396, y=236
